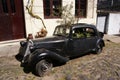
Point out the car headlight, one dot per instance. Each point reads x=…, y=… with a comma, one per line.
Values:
x=31, y=45
x=23, y=43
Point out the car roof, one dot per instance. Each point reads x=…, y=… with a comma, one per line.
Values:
x=78, y=25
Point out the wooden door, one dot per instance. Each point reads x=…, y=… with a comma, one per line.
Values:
x=11, y=20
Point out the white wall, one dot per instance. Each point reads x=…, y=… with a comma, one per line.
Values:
x=114, y=23
x=34, y=25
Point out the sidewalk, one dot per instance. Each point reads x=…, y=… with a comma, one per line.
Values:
x=9, y=49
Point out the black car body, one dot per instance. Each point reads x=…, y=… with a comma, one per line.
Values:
x=67, y=42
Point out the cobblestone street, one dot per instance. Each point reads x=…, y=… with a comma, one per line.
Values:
x=104, y=66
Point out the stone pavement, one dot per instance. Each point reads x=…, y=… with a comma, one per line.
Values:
x=111, y=38
x=12, y=48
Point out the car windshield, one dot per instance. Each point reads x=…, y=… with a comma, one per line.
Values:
x=62, y=31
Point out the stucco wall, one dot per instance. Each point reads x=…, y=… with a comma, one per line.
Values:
x=34, y=25
x=114, y=23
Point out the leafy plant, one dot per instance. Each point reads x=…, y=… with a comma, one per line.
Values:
x=67, y=17
x=29, y=7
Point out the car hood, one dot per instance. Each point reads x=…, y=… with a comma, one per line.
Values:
x=49, y=39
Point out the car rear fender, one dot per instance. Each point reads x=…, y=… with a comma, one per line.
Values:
x=100, y=41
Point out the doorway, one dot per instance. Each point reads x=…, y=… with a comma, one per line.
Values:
x=12, y=24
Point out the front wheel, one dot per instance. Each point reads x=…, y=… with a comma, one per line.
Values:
x=43, y=67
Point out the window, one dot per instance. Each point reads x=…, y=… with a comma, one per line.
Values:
x=12, y=2
x=4, y=5
x=83, y=33
x=78, y=33
x=90, y=32
x=80, y=8
x=62, y=30
x=52, y=8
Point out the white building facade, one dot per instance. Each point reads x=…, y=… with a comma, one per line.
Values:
x=16, y=22
x=45, y=8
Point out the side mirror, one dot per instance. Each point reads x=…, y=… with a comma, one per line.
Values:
x=101, y=34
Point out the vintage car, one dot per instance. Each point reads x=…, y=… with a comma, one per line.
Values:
x=66, y=43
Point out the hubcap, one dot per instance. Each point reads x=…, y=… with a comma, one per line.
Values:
x=45, y=66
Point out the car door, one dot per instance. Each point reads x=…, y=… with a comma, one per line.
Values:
x=12, y=24
x=91, y=38
x=77, y=44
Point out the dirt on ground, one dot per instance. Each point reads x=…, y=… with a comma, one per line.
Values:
x=104, y=66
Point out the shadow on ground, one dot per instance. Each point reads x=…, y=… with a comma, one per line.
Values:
x=28, y=69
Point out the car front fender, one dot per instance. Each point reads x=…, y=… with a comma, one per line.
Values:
x=41, y=54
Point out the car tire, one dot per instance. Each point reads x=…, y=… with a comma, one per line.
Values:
x=43, y=67
x=99, y=48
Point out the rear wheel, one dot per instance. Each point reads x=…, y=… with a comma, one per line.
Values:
x=43, y=67
x=99, y=48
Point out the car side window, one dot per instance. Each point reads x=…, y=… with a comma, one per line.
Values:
x=89, y=32
x=78, y=33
